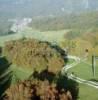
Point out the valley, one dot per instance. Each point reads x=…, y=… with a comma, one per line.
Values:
x=47, y=52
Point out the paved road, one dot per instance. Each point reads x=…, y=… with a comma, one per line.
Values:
x=83, y=81
x=68, y=66
x=77, y=60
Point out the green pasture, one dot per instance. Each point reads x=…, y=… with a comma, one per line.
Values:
x=20, y=73
x=84, y=70
x=87, y=93
x=50, y=36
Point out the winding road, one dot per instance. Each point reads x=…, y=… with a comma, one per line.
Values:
x=77, y=60
x=68, y=66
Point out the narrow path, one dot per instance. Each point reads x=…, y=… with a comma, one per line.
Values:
x=68, y=66
x=75, y=78
x=82, y=81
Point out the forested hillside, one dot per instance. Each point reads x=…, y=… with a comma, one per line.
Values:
x=85, y=21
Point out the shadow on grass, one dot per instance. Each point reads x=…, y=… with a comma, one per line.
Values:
x=62, y=82
x=5, y=75
x=44, y=75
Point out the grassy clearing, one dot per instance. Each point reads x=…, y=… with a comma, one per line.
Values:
x=87, y=93
x=84, y=70
x=20, y=73
x=50, y=36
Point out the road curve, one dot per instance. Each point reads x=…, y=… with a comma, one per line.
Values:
x=68, y=66
x=73, y=77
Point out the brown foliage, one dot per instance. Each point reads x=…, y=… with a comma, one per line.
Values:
x=34, y=54
x=36, y=90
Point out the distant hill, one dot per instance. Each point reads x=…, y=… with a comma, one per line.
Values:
x=82, y=21
x=10, y=9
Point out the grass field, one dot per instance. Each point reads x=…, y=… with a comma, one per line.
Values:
x=20, y=73
x=87, y=93
x=50, y=36
x=84, y=70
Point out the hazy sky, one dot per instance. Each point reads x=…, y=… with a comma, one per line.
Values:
x=45, y=7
